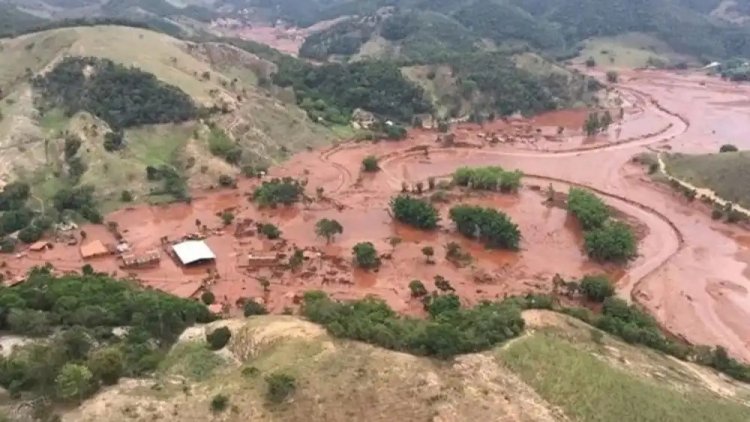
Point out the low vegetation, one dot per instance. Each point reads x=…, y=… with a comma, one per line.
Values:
x=722, y=173
x=366, y=256
x=489, y=226
x=328, y=228
x=284, y=191
x=605, y=239
x=588, y=208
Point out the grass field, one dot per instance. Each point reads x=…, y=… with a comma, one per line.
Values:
x=725, y=173
x=631, y=50
x=589, y=388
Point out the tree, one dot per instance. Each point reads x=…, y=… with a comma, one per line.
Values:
x=208, y=298
x=284, y=191
x=443, y=285
x=227, y=181
x=73, y=381
x=252, y=307
x=269, y=230
x=370, y=164
x=415, y=212
x=218, y=338
x=227, y=217
x=417, y=288
x=279, y=387
x=592, y=125
x=493, y=228
x=328, y=228
x=365, y=255
x=7, y=245
x=590, y=62
x=30, y=234
x=596, y=288
x=71, y=146
x=612, y=76
x=113, y=141
x=441, y=305
x=219, y=403
x=728, y=148
x=107, y=364
x=428, y=252
x=605, y=121
x=614, y=241
x=588, y=208
x=297, y=259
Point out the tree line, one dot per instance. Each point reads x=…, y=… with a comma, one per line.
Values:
x=605, y=238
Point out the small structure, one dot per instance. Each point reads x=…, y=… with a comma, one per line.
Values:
x=265, y=260
x=149, y=259
x=93, y=249
x=193, y=252
x=363, y=118
x=40, y=246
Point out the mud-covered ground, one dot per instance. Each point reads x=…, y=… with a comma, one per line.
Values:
x=691, y=272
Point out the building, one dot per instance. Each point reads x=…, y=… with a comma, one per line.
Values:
x=40, y=246
x=93, y=249
x=257, y=260
x=193, y=252
x=149, y=259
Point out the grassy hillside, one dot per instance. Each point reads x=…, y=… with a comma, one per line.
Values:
x=724, y=173
x=214, y=75
x=559, y=371
x=630, y=50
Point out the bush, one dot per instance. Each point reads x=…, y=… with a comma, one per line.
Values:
x=126, y=196
x=590, y=211
x=227, y=181
x=370, y=164
x=488, y=178
x=269, y=230
x=728, y=148
x=30, y=234
x=208, y=298
x=597, y=288
x=279, y=387
x=415, y=212
x=612, y=77
x=428, y=252
x=227, y=217
x=365, y=255
x=441, y=305
x=252, y=307
x=219, y=403
x=614, y=241
x=590, y=62
x=107, y=364
x=7, y=245
x=417, y=288
x=218, y=338
x=284, y=191
x=491, y=227
x=73, y=382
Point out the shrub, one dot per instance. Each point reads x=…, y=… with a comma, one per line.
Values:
x=279, y=387
x=227, y=181
x=442, y=284
x=614, y=241
x=218, y=338
x=455, y=254
x=30, y=234
x=208, y=298
x=73, y=382
x=440, y=305
x=728, y=148
x=415, y=212
x=491, y=227
x=227, y=217
x=428, y=252
x=417, y=288
x=219, y=403
x=488, y=178
x=107, y=364
x=590, y=62
x=612, y=77
x=126, y=196
x=252, y=307
x=588, y=208
x=365, y=255
x=597, y=288
x=7, y=245
x=370, y=164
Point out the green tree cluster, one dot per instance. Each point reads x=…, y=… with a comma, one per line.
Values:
x=218, y=338
x=285, y=191
x=121, y=96
x=491, y=227
x=443, y=335
x=588, y=208
x=370, y=164
x=280, y=386
x=328, y=228
x=597, y=288
x=488, y=178
x=80, y=313
x=415, y=212
x=605, y=239
x=365, y=255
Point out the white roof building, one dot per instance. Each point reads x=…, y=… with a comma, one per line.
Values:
x=193, y=251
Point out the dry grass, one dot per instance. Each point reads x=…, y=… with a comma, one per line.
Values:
x=631, y=50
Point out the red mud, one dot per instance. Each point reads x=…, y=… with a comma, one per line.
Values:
x=691, y=272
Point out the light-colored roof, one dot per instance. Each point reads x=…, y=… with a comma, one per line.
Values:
x=94, y=248
x=193, y=251
x=38, y=246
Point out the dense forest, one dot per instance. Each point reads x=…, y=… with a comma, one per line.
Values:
x=82, y=314
x=121, y=96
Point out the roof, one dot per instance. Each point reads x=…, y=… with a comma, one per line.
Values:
x=193, y=251
x=94, y=248
x=39, y=246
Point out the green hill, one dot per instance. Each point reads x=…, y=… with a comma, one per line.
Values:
x=724, y=173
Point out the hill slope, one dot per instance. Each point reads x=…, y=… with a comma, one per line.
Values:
x=725, y=173
x=554, y=373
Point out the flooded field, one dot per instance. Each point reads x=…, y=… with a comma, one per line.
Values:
x=691, y=272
